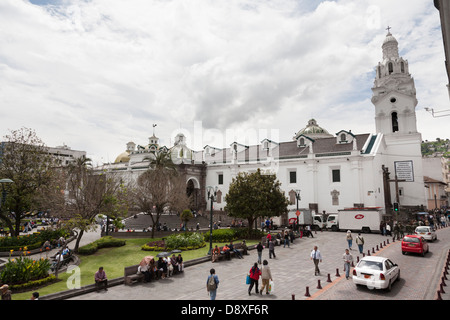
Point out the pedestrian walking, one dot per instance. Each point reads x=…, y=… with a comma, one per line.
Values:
x=388, y=229
x=259, y=249
x=383, y=228
x=316, y=257
x=348, y=258
x=271, y=249
x=360, y=242
x=212, y=283
x=254, y=278
x=396, y=231
x=349, y=239
x=266, y=277
x=286, y=239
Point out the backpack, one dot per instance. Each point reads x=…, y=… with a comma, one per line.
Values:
x=212, y=283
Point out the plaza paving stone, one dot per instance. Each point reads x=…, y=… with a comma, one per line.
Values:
x=293, y=271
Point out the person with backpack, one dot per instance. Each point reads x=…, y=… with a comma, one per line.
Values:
x=254, y=277
x=360, y=242
x=212, y=283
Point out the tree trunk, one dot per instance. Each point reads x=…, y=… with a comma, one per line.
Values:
x=250, y=224
x=77, y=243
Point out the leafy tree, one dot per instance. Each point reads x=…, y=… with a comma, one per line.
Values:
x=185, y=216
x=24, y=159
x=160, y=189
x=253, y=195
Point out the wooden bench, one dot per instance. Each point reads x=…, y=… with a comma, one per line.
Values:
x=239, y=247
x=131, y=276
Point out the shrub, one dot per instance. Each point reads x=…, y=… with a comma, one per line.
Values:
x=182, y=241
x=227, y=235
x=176, y=241
x=32, y=241
x=24, y=269
x=222, y=235
x=104, y=242
x=33, y=284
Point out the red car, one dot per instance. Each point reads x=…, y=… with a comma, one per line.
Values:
x=415, y=244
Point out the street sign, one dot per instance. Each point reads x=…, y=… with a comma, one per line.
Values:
x=298, y=213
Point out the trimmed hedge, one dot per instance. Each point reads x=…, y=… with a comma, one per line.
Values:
x=227, y=235
x=104, y=242
x=183, y=241
x=33, y=284
x=33, y=240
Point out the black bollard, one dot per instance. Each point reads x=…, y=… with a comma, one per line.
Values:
x=329, y=278
x=307, y=292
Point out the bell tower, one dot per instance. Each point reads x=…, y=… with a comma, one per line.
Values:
x=394, y=92
x=394, y=98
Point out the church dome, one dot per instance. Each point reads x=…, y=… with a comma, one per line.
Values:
x=123, y=157
x=313, y=130
x=390, y=38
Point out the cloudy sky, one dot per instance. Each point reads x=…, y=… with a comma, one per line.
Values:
x=96, y=74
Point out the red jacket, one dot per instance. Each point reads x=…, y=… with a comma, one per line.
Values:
x=254, y=274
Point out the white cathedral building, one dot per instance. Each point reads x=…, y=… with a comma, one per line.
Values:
x=332, y=171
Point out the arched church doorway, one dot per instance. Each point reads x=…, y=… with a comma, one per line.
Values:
x=193, y=192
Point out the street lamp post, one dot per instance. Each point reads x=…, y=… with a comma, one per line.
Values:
x=211, y=196
x=4, y=192
x=297, y=196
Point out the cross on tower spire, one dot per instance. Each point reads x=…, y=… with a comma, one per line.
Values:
x=389, y=29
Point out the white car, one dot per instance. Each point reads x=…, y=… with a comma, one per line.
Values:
x=426, y=232
x=376, y=272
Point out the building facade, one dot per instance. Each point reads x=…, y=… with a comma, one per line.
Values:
x=329, y=171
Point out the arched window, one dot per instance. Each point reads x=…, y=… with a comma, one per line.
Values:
x=302, y=141
x=390, y=67
x=379, y=72
x=402, y=67
x=394, y=122
x=343, y=137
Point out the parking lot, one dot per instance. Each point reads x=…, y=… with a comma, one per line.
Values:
x=293, y=274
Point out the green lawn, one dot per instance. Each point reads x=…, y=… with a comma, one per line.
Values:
x=113, y=260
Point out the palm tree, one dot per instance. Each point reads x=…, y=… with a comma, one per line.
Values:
x=162, y=160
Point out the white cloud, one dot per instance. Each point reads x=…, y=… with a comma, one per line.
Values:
x=97, y=74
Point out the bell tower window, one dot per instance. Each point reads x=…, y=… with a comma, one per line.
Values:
x=402, y=67
x=394, y=122
x=390, y=67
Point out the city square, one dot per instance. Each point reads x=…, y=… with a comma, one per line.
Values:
x=190, y=128
x=419, y=281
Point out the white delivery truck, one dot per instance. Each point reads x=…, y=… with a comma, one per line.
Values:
x=332, y=222
x=319, y=222
x=304, y=217
x=360, y=219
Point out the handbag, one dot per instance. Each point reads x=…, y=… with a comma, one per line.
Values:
x=247, y=280
x=271, y=286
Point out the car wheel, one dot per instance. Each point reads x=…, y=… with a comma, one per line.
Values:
x=403, y=252
x=398, y=276
x=389, y=287
x=423, y=253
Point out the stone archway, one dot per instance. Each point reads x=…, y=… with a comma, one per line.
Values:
x=193, y=192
